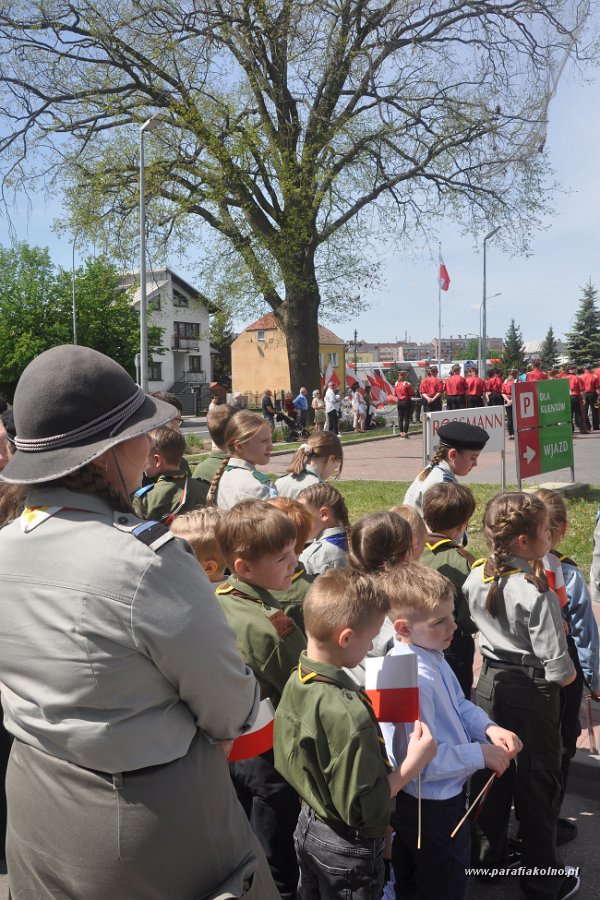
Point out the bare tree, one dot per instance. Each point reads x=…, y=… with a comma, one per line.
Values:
x=296, y=128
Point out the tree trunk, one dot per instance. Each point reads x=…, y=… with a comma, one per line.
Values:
x=301, y=312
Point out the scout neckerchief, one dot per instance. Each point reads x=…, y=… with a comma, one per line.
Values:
x=338, y=540
x=167, y=519
x=307, y=676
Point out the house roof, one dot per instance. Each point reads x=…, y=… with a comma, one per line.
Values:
x=157, y=278
x=268, y=323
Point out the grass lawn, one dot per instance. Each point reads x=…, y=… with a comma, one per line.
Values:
x=368, y=496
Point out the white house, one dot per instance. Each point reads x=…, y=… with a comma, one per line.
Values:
x=183, y=314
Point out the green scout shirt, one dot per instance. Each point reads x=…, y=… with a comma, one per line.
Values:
x=447, y=558
x=164, y=497
x=327, y=747
x=268, y=640
x=292, y=600
x=207, y=469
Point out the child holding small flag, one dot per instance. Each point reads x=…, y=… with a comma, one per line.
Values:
x=328, y=745
x=421, y=607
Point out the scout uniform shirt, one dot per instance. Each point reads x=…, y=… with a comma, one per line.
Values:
x=291, y=485
x=291, y=600
x=446, y=557
x=171, y=493
x=528, y=630
x=268, y=641
x=241, y=480
x=207, y=469
x=439, y=472
x=328, y=551
x=327, y=746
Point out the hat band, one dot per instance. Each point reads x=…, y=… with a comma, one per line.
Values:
x=112, y=419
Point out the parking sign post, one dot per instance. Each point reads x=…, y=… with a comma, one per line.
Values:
x=543, y=432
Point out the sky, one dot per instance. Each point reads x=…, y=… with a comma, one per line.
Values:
x=537, y=291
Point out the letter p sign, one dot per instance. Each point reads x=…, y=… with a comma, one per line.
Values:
x=527, y=405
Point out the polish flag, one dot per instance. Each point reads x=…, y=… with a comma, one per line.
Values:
x=260, y=737
x=443, y=278
x=393, y=686
x=331, y=375
x=384, y=386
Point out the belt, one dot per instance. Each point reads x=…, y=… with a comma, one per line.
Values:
x=118, y=776
x=340, y=828
x=532, y=671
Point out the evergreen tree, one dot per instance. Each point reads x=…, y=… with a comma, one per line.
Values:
x=549, y=351
x=513, y=356
x=583, y=341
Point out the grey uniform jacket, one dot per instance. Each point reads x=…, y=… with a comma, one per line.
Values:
x=439, y=473
x=321, y=555
x=242, y=481
x=292, y=485
x=113, y=653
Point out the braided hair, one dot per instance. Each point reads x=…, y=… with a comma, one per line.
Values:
x=440, y=453
x=242, y=427
x=506, y=517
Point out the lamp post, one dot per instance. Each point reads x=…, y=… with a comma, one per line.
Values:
x=74, y=295
x=481, y=360
x=148, y=125
x=483, y=302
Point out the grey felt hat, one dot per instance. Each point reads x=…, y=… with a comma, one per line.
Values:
x=71, y=404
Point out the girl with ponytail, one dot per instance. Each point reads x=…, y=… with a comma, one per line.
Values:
x=525, y=663
x=248, y=442
x=316, y=460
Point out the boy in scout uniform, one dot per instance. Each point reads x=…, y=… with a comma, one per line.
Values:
x=172, y=489
x=447, y=509
x=217, y=420
x=258, y=543
x=328, y=744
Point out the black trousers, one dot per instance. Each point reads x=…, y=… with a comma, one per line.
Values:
x=473, y=402
x=272, y=807
x=590, y=400
x=404, y=409
x=495, y=399
x=417, y=405
x=332, y=420
x=459, y=656
x=523, y=701
x=576, y=412
x=437, y=870
x=436, y=406
x=509, y=420
x=456, y=402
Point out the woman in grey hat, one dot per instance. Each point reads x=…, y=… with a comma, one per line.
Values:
x=121, y=682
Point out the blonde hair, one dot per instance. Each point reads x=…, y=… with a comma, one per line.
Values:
x=414, y=591
x=506, y=517
x=320, y=444
x=241, y=427
x=217, y=420
x=414, y=519
x=557, y=513
x=379, y=540
x=341, y=598
x=198, y=528
x=251, y=529
x=447, y=505
x=299, y=515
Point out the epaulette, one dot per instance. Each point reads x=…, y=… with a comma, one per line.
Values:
x=479, y=562
x=224, y=588
x=152, y=534
x=563, y=558
x=301, y=571
x=141, y=492
x=504, y=574
x=439, y=545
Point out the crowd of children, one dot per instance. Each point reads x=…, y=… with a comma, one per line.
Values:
x=343, y=805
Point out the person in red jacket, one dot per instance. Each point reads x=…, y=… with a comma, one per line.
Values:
x=536, y=374
x=493, y=388
x=590, y=385
x=575, y=388
x=431, y=391
x=404, y=392
x=475, y=388
x=456, y=389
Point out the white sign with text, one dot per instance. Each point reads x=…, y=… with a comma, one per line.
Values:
x=490, y=418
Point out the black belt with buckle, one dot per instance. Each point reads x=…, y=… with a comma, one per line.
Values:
x=532, y=671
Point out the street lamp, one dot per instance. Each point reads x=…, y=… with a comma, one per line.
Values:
x=483, y=302
x=482, y=359
x=148, y=125
x=74, y=302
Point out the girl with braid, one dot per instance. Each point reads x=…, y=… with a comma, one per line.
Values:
x=525, y=663
x=249, y=443
x=329, y=549
x=456, y=454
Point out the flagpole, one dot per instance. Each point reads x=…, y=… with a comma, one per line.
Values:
x=439, y=314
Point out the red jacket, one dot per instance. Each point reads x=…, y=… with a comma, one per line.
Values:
x=431, y=386
x=589, y=381
x=404, y=390
x=494, y=385
x=536, y=375
x=475, y=386
x=456, y=386
x=574, y=385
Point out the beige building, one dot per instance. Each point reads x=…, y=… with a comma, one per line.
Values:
x=259, y=357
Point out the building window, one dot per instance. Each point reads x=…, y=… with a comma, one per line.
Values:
x=180, y=299
x=195, y=363
x=320, y=362
x=333, y=360
x=260, y=334
x=154, y=303
x=187, y=330
x=154, y=371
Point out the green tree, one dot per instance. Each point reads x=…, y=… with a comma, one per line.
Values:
x=583, y=341
x=221, y=336
x=513, y=356
x=296, y=129
x=549, y=352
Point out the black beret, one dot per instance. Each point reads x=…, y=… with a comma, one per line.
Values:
x=463, y=436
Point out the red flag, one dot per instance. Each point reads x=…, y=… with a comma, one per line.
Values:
x=260, y=737
x=393, y=686
x=443, y=278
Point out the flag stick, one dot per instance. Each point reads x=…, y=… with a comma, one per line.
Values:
x=419, y=816
x=474, y=803
x=439, y=314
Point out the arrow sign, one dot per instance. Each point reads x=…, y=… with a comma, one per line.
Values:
x=529, y=454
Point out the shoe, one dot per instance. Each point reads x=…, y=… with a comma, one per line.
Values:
x=570, y=885
x=565, y=831
x=514, y=852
